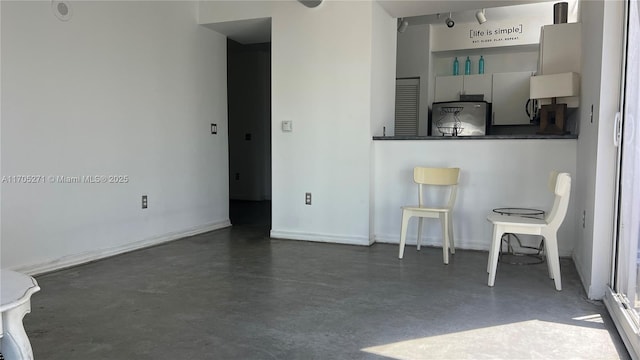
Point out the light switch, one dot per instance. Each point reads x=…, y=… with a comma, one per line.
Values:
x=287, y=126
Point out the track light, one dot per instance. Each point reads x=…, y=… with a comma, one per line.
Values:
x=449, y=21
x=402, y=25
x=310, y=3
x=480, y=16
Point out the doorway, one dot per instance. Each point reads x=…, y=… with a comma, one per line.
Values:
x=249, y=113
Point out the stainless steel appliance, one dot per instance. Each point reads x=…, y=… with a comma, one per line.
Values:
x=460, y=118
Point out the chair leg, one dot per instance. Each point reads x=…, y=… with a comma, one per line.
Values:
x=419, y=239
x=553, y=259
x=490, y=261
x=445, y=236
x=452, y=246
x=403, y=232
x=546, y=256
x=492, y=264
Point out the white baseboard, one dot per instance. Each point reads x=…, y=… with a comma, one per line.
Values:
x=460, y=244
x=319, y=237
x=583, y=280
x=77, y=259
x=463, y=244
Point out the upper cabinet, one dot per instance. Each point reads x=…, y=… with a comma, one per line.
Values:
x=560, y=52
x=478, y=84
x=508, y=92
x=449, y=88
x=560, y=49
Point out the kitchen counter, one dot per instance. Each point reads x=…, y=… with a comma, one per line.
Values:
x=485, y=137
x=500, y=171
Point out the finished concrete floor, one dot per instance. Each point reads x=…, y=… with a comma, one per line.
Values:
x=236, y=294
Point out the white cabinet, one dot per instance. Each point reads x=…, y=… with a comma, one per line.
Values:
x=510, y=95
x=449, y=88
x=560, y=52
x=478, y=84
x=560, y=49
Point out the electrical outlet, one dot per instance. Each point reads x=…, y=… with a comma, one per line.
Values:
x=214, y=129
x=145, y=202
x=307, y=198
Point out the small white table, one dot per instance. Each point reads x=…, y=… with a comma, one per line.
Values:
x=506, y=238
x=15, y=302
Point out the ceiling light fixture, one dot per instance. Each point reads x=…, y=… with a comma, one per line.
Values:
x=402, y=25
x=61, y=9
x=481, y=17
x=310, y=3
x=449, y=21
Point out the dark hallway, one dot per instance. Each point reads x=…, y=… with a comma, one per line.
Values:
x=255, y=213
x=249, y=106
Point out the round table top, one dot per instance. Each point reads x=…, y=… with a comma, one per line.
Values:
x=15, y=289
x=524, y=212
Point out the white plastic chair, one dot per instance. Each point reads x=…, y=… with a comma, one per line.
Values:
x=433, y=177
x=560, y=185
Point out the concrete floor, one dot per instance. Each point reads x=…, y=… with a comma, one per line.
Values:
x=236, y=294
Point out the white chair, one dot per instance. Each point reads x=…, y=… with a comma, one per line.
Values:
x=560, y=185
x=440, y=177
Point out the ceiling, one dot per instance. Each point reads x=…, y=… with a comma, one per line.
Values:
x=406, y=8
x=254, y=31
x=496, y=14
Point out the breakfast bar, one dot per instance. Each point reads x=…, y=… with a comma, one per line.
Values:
x=495, y=171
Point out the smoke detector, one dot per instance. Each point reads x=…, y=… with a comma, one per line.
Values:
x=61, y=9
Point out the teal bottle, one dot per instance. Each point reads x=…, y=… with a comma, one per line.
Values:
x=456, y=67
x=467, y=67
x=481, y=65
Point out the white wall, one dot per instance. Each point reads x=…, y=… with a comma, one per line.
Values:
x=506, y=60
x=383, y=58
x=322, y=81
x=494, y=173
x=413, y=61
x=383, y=84
x=123, y=88
x=596, y=162
x=1, y=267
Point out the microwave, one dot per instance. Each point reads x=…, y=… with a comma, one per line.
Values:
x=460, y=118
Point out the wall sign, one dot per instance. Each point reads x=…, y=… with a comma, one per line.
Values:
x=489, y=34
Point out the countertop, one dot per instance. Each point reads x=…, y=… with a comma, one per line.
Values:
x=484, y=137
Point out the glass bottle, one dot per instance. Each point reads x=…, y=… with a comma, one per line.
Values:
x=467, y=66
x=481, y=65
x=456, y=66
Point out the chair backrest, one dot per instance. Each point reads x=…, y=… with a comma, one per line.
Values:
x=562, y=190
x=438, y=177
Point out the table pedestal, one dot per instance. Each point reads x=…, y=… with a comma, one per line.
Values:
x=511, y=256
x=15, y=302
